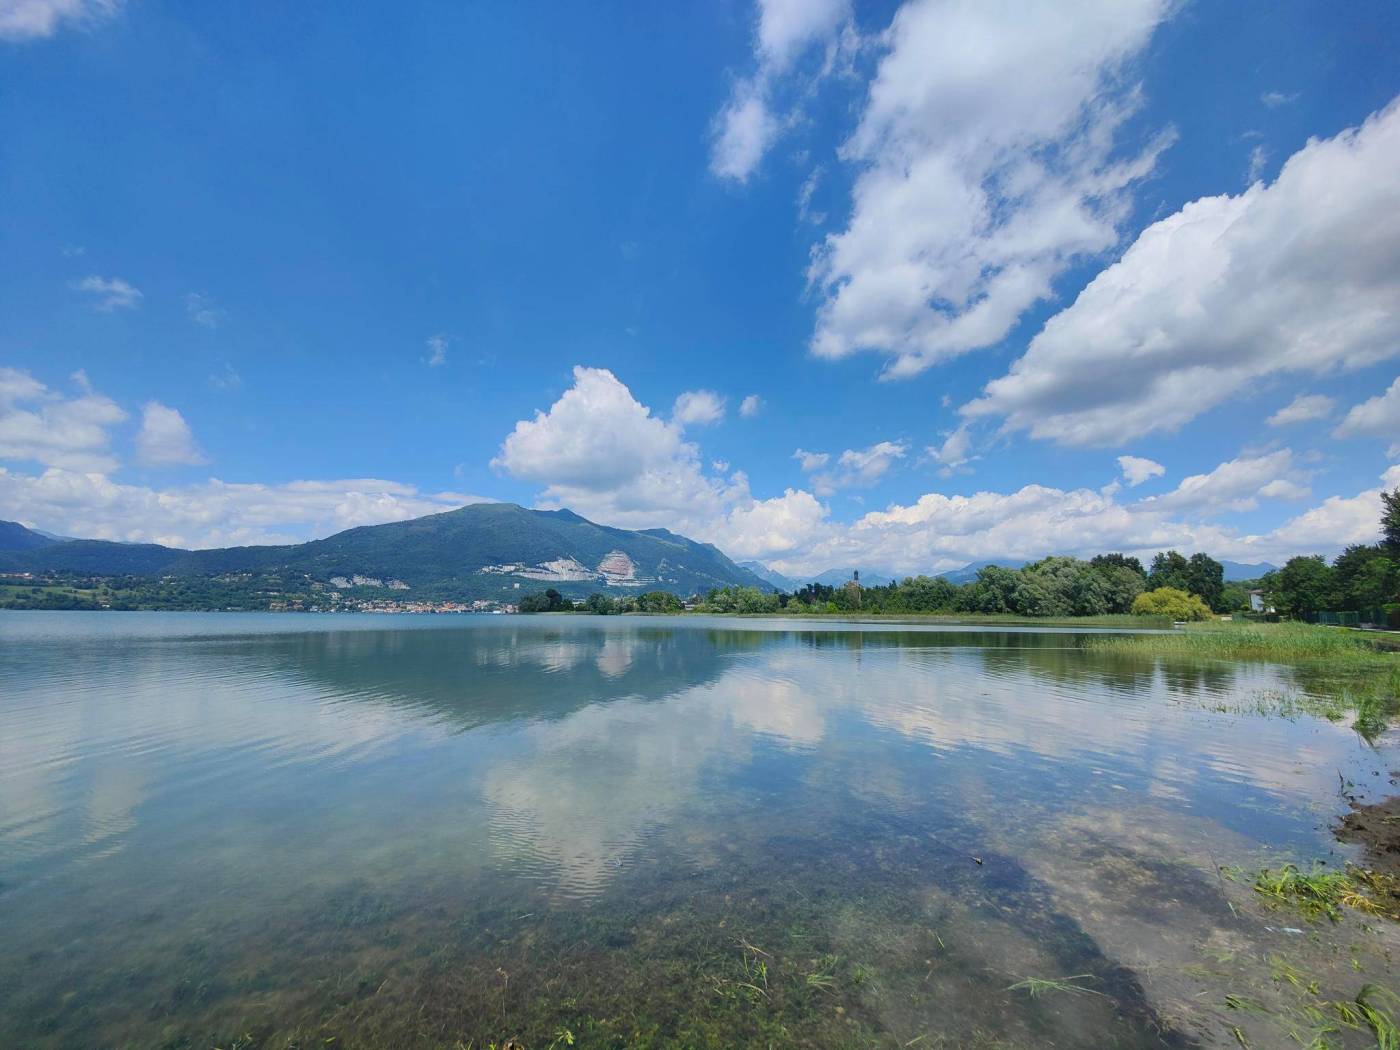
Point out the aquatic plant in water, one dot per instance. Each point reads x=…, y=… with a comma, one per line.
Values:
x=1318, y=891
x=1036, y=987
x=1340, y=672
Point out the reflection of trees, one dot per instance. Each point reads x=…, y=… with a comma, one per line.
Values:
x=1071, y=666
x=1204, y=677
x=1122, y=672
x=483, y=674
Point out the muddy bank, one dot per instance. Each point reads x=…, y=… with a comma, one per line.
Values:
x=1376, y=829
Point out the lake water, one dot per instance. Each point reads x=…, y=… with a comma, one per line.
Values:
x=261, y=830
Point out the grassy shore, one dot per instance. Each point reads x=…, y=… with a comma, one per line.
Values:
x=1340, y=672
x=1126, y=622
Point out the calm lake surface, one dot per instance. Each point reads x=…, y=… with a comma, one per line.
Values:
x=262, y=830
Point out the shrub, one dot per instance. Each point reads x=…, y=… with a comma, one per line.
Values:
x=1168, y=601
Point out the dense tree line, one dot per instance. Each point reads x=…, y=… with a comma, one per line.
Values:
x=602, y=604
x=1364, y=578
x=1054, y=586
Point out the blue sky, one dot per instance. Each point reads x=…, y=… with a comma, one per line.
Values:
x=268, y=273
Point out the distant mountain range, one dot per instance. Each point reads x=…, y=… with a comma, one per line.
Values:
x=968, y=572
x=1235, y=570
x=830, y=578
x=15, y=537
x=486, y=550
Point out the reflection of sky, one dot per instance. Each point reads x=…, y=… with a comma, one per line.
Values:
x=552, y=750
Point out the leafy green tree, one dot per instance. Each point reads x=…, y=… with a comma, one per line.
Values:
x=1205, y=577
x=1060, y=586
x=601, y=604
x=658, y=602
x=1366, y=576
x=1234, y=597
x=925, y=594
x=1169, y=569
x=549, y=601
x=1123, y=561
x=740, y=600
x=1122, y=582
x=1303, y=587
x=1171, y=601
x=994, y=591
x=1390, y=520
x=1037, y=594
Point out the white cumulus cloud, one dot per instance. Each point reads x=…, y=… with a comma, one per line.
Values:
x=110, y=293
x=165, y=438
x=1136, y=469
x=1302, y=409
x=1376, y=417
x=988, y=165
x=746, y=127
x=750, y=406
x=35, y=19
x=743, y=132
x=213, y=513
x=1235, y=485
x=855, y=467
x=1302, y=275
x=602, y=453
x=698, y=408
x=41, y=426
x=954, y=453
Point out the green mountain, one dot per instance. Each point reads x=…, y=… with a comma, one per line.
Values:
x=486, y=550
x=15, y=537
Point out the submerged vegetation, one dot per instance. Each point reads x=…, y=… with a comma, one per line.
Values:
x=1324, y=892
x=1339, y=672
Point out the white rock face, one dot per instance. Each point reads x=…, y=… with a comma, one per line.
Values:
x=615, y=570
x=560, y=570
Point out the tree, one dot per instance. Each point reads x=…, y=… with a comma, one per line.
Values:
x=1377, y=584
x=923, y=594
x=1171, y=601
x=1123, y=561
x=1206, y=577
x=1366, y=576
x=993, y=592
x=1169, y=569
x=550, y=601
x=1390, y=520
x=600, y=604
x=1122, y=584
x=1304, y=586
x=740, y=600
x=658, y=602
x=1234, y=597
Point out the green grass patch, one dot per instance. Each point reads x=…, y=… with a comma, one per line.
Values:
x=1320, y=892
x=1277, y=642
